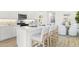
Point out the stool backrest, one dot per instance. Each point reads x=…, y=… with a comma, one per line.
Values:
x=52, y=28
x=45, y=32
x=61, y=30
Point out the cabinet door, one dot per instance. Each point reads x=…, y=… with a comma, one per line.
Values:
x=19, y=37
x=11, y=31
x=6, y=32
x=3, y=32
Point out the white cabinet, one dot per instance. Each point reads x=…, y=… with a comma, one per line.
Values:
x=12, y=31
x=23, y=37
x=7, y=32
x=20, y=39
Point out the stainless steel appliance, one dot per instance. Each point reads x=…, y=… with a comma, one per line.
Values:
x=23, y=21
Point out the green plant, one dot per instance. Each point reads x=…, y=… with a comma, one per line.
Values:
x=77, y=17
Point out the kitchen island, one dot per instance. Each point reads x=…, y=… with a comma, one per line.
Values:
x=24, y=35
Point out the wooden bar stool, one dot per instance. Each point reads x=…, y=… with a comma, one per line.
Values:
x=41, y=40
x=53, y=35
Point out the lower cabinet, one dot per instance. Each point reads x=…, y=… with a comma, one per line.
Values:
x=7, y=32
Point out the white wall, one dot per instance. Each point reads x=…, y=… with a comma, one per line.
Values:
x=8, y=14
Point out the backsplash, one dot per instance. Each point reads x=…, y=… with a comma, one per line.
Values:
x=8, y=21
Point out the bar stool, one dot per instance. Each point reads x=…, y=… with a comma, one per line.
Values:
x=53, y=35
x=61, y=30
x=40, y=40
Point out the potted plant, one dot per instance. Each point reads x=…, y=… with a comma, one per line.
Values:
x=67, y=23
x=77, y=19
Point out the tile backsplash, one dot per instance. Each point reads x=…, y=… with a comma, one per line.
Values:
x=8, y=21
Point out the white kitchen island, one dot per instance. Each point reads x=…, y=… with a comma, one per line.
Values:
x=24, y=35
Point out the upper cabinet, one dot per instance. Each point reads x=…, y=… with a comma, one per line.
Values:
x=8, y=14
